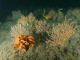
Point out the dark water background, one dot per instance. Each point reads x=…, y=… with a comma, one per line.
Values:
x=7, y=6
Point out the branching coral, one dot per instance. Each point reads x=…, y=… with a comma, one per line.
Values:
x=61, y=33
x=40, y=26
x=74, y=14
x=22, y=34
x=26, y=19
x=19, y=30
x=6, y=51
x=30, y=32
x=22, y=20
x=51, y=15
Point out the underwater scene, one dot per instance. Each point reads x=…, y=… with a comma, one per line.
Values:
x=40, y=34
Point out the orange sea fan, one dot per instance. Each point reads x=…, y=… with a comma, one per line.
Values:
x=23, y=42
